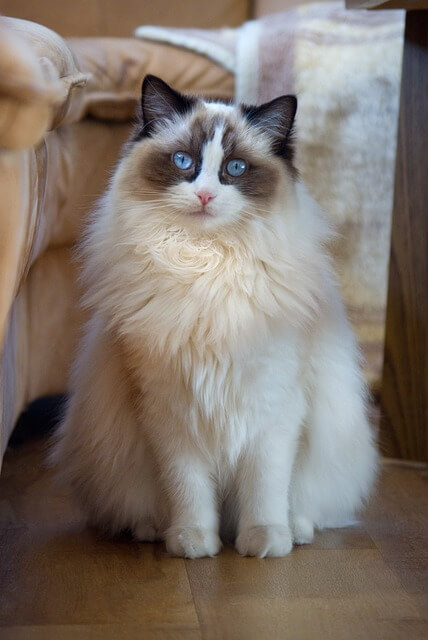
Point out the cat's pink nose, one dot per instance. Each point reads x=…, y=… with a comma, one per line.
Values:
x=205, y=196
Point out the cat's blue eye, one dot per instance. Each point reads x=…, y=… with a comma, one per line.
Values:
x=182, y=160
x=236, y=167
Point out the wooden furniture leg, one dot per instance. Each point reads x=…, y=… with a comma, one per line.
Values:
x=404, y=392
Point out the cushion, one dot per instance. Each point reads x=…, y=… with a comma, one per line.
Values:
x=40, y=84
x=117, y=66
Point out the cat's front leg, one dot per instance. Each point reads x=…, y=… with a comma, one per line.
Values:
x=263, y=482
x=194, y=520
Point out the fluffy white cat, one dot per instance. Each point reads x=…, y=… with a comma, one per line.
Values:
x=217, y=392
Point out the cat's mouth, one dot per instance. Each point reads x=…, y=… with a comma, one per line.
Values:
x=201, y=213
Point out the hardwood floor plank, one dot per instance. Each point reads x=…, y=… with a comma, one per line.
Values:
x=60, y=580
x=99, y=632
x=397, y=521
x=347, y=593
x=56, y=571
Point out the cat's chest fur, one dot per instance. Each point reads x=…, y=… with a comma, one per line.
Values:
x=208, y=299
x=206, y=333
x=220, y=403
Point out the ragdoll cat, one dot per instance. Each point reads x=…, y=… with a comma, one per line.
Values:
x=217, y=392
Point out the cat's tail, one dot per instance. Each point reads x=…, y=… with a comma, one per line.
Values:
x=39, y=418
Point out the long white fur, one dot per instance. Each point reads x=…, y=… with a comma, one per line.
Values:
x=218, y=383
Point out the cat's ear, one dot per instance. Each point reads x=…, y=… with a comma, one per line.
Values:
x=160, y=102
x=275, y=117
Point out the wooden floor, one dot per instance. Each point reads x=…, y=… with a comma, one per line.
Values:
x=61, y=581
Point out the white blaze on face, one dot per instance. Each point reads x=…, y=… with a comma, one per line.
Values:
x=228, y=202
x=212, y=158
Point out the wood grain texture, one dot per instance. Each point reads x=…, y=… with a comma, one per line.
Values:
x=60, y=580
x=404, y=392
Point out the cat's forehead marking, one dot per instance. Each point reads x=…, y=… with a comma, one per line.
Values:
x=220, y=108
x=213, y=152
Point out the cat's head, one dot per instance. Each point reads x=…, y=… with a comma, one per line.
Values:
x=208, y=163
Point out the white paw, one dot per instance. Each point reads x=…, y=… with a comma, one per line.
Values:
x=303, y=530
x=146, y=531
x=192, y=542
x=272, y=540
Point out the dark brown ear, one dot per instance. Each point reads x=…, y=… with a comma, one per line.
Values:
x=275, y=118
x=159, y=102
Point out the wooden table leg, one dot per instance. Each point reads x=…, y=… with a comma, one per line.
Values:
x=404, y=393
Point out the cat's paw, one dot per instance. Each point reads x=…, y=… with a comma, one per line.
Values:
x=146, y=531
x=192, y=542
x=303, y=530
x=272, y=540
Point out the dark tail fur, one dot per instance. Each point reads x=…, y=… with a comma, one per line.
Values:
x=39, y=418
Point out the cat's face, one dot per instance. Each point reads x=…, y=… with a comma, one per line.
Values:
x=208, y=164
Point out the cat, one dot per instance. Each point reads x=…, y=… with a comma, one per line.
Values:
x=217, y=394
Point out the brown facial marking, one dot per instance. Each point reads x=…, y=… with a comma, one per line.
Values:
x=158, y=167
x=158, y=171
x=261, y=176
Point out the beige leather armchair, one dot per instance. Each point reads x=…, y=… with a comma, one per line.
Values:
x=65, y=110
